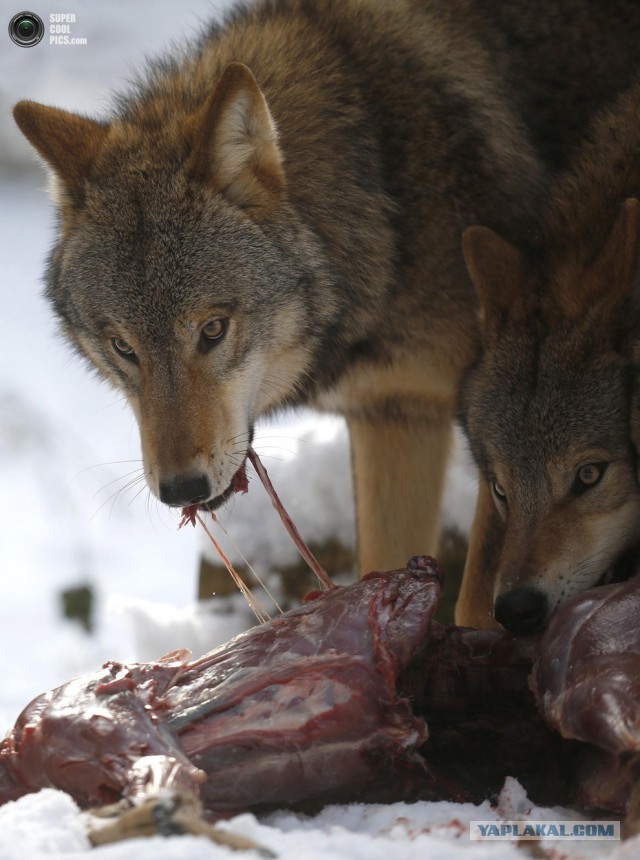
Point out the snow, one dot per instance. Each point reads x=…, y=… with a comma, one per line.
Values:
x=74, y=511
x=48, y=825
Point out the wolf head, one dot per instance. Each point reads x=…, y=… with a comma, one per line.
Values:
x=182, y=273
x=547, y=411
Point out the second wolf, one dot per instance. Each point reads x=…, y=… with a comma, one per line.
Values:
x=548, y=405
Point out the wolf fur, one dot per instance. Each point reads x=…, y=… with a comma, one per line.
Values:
x=273, y=218
x=549, y=400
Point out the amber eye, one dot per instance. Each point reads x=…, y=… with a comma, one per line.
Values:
x=212, y=333
x=588, y=476
x=214, y=329
x=123, y=347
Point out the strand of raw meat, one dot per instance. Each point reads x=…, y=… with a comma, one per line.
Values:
x=258, y=579
x=304, y=550
x=261, y=614
x=190, y=515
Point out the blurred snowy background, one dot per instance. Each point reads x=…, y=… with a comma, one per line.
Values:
x=69, y=446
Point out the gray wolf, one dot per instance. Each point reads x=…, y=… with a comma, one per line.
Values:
x=273, y=218
x=548, y=406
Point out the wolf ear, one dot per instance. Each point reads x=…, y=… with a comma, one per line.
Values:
x=613, y=273
x=497, y=271
x=235, y=143
x=66, y=141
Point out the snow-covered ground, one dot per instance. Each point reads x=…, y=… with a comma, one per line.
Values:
x=74, y=513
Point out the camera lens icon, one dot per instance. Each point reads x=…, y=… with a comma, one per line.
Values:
x=26, y=29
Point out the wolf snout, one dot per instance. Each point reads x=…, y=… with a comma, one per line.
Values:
x=522, y=610
x=183, y=490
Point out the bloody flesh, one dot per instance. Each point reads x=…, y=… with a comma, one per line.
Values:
x=357, y=695
x=588, y=674
x=302, y=709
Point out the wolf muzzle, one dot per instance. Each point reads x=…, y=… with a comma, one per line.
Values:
x=521, y=610
x=185, y=490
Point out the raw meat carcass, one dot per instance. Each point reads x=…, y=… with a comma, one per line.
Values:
x=357, y=695
x=304, y=708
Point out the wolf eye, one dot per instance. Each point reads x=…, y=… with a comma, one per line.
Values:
x=212, y=332
x=498, y=491
x=122, y=347
x=214, y=329
x=588, y=476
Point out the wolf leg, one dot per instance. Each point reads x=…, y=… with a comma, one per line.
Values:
x=475, y=601
x=398, y=473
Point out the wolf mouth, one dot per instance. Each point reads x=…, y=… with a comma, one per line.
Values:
x=239, y=484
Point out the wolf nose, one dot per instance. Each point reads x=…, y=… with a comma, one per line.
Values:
x=521, y=611
x=185, y=490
